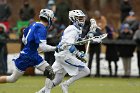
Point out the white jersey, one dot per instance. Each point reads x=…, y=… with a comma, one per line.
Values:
x=65, y=60
x=70, y=35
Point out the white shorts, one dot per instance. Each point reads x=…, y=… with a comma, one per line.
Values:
x=67, y=62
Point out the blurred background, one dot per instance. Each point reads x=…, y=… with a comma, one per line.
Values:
x=117, y=56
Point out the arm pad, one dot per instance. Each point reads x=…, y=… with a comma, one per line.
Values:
x=72, y=49
x=79, y=55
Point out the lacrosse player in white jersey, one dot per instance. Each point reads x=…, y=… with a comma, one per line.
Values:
x=68, y=58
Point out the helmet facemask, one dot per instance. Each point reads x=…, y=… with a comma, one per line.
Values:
x=80, y=20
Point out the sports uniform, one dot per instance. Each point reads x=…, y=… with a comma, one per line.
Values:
x=66, y=59
x=34, y=37
x=66, y=55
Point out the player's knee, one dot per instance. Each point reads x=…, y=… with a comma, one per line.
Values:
x=57, y=81
x=11, y=79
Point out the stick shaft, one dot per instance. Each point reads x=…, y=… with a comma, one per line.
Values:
x=89, y=39
x=87, y=48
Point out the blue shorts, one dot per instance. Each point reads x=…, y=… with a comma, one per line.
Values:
x=25, y=60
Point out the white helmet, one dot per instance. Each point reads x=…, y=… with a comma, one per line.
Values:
x=77, y=16
x=46, y=13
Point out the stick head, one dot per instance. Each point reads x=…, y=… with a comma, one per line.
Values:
x=93, y=24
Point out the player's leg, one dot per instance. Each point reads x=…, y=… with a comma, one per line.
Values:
x=82, y=73
x=49, y=84
x=46, y=68
x=59, y=74
x=52, y=83
x=42, y=67
x=58, y=77
x=12, y=78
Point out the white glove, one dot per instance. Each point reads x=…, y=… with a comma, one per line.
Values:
x=98, y=40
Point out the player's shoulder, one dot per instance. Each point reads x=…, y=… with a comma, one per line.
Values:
x=38, y=24
x=70, y=28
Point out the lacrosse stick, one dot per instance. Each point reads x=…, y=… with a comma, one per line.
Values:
x=90, y=39
x=93, y=25
x=87, y=48
x=86, y=40
x=92, y=28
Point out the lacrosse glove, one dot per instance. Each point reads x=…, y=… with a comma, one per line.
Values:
x=81, y=56
x=90, y=34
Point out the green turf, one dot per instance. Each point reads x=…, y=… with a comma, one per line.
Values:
x=86, y=85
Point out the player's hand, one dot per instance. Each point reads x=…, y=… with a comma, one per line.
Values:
x=89, y=35
x=79, y=40
x=98, y=40
x=84, y=59
x=49, y=73
x=81, y=55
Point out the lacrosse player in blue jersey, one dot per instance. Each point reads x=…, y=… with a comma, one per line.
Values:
x=34, y=37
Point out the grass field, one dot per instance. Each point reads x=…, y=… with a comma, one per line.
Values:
x=28, y=84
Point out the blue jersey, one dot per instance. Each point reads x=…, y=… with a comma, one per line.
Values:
x=33, y=35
